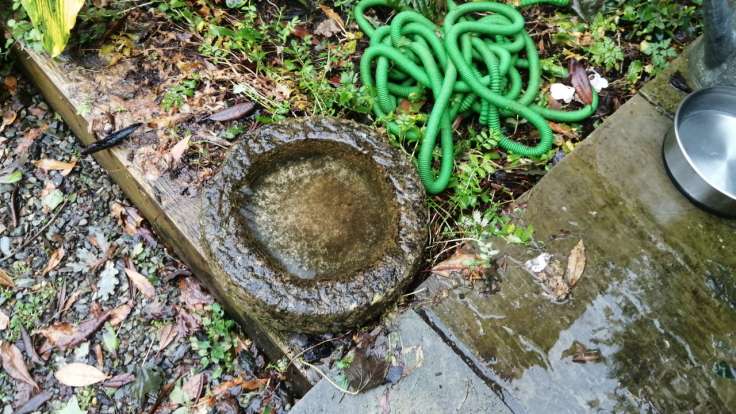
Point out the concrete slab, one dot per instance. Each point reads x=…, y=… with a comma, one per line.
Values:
x=657, y=298
x=439, y=382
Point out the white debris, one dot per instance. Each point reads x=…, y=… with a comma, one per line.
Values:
x=562, y=92
x=597, y=81
x=538, y=263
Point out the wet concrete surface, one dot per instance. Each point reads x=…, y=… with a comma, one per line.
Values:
x=657, y=298
x=438, y=381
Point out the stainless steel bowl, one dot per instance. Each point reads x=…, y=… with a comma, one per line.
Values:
x=700, y=149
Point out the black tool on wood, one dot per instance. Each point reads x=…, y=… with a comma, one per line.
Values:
x=112, y=140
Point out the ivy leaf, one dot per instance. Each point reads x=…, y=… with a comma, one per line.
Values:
x=108, y=281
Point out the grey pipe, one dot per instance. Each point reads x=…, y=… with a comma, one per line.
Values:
x=720, y=38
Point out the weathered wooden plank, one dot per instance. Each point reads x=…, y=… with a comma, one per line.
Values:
x=172, y=212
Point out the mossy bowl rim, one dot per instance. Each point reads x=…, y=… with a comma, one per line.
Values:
x=326, y=305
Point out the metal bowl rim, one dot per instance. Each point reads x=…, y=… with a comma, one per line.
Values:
x=730, y=90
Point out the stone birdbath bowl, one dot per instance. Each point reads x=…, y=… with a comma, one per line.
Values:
x=314, y=225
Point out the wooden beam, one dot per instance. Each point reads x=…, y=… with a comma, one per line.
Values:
x=173, y=215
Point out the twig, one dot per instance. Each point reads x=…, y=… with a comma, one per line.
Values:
x=38, y=233
x=13, y=211
x=339, y=388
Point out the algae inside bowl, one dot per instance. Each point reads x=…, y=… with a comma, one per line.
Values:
x=314, y=225
x=317, y=211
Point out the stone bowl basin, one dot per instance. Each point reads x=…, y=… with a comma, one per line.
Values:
x=314, y=225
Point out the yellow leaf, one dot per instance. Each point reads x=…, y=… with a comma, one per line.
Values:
x=54, y=19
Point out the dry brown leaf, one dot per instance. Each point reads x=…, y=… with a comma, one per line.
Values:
x=580, y=81
x=192, y=294
x=63, y=335
x=178, y=150
x=234, y=112
x=99, y=357
x=77, y=374
x=28, y=138
x=8, y=119
x=332, y=15
x=47, y=164
x=575, y=264
x=141, y=283
x=118, y=315
x=327, y=28
x=4, y=320
x=37, y=112
x=463, y=262
x=563, y=129
x=11, y=84
x=6, y=280
x=193, y=386
x=119, y=380
x=54, y=261
x=14, y=365
x=166, y=335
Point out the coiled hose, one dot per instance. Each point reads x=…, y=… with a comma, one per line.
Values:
x=470, y=65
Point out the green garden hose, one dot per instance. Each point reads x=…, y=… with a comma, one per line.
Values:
x=469, y=65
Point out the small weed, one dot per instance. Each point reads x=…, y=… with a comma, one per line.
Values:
x=86, y=398
x=659, y=52
x=217, y=348
x=28, y=311
x=176, y=95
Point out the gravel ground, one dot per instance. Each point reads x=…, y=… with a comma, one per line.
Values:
x=88, y=296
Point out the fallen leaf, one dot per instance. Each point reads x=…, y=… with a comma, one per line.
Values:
x=34, y=403
x=234, y=112
x=12, y=177
x=47, y=164
x=11, y=84
x=77, y=374
x=327, y=28
x=14, y=365
x=193, y=387
x=28, y=138
x=37, y=112
x=54, y=261
x=118, y=315
x=563, y=129
x=8, y=119
x=186, y=322
x=63, y=335
x=107, y=281
x=6, y=280
x=4, y=320
x=178, y=150
x=141, y=283
x=579, y=80
x=192, y=294
x=119, y=380
x=332, y=15
x=463, y=262
x=575, y=264
x=166, y=335
x=52, y=200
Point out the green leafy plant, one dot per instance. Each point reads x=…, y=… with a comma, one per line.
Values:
x=606, y=53
x=28, y=311
x=176, y=95
x=217, y=348
x=54, y=19
x=660, y=53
